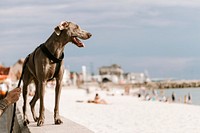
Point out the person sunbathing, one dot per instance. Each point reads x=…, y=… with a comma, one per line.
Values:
x=97, y=100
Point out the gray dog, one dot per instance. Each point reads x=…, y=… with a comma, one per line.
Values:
x=45, y=63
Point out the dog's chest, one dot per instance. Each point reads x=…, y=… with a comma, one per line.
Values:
x=51, y=68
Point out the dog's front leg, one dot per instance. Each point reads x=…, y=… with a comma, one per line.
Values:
x=57, y=119
x=42, y=109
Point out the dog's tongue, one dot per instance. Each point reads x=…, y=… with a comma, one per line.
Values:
x=78, y=42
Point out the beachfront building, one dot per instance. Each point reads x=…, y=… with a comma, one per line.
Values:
x=136, y=78
x=111, y=70
x=111, y=73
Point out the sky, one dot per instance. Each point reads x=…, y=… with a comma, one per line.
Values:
x=159, y=37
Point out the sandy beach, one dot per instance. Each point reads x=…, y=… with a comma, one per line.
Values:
x=125, y=114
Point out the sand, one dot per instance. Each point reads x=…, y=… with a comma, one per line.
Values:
x=125, y=114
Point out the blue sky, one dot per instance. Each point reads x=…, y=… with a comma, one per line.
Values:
x=158, y=36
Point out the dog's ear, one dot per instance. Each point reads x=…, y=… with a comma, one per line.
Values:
x=63, y=25
x=57, y=30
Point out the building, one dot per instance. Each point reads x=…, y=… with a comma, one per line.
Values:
x=111, y=70
x=111, y=73
x=136, y=78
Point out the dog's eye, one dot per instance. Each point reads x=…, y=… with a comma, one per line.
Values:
x=77, y=27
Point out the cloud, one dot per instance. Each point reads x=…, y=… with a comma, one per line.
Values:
x=163, y=62
x=157, y=22
x=137, y=34
x=169, y=3
x=95, y=13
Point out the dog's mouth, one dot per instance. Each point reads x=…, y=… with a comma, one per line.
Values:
x=76, y=41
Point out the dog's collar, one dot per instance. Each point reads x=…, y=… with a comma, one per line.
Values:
x=50, y=55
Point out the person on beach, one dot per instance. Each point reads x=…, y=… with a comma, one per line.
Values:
x=173, y=97
x=127, y=90
x=147, y=97
x=185, y=99
x=97, y=100
x=189, y=98
x=162, y=97
x=11, y=97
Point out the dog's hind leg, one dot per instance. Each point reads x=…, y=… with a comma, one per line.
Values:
x=26, y=80
x=34, y=100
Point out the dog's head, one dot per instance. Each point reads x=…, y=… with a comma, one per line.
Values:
x=73, y=32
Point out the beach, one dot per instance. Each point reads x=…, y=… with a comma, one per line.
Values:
x=124, y=114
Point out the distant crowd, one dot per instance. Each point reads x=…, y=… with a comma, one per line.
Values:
x=153, y=95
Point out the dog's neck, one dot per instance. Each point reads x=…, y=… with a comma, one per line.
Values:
x=56, y=44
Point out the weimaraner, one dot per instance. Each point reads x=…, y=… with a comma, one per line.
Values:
x=45, y=63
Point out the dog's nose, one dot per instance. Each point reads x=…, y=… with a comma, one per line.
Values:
x=89, y=34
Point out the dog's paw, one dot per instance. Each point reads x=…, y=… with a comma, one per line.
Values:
x=58, y=122
x=36, y=119
x=26, y=122
x=40, y=122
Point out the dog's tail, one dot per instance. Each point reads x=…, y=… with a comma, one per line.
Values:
x=24, y=66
